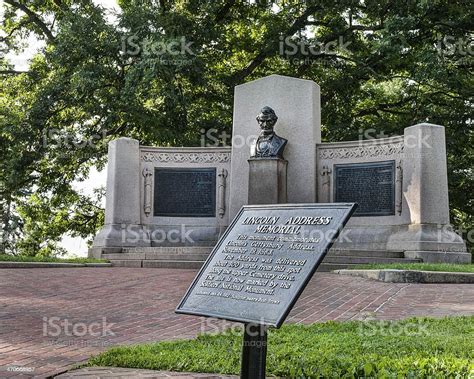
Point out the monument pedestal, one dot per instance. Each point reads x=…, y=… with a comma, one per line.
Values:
x=267, y=181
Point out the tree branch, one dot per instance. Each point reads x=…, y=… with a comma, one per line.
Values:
x=19, y=26
x=298, y=24
x=12, y=72
x=34, y=18
x=222, y=13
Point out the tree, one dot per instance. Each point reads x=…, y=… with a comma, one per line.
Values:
x=164, y=72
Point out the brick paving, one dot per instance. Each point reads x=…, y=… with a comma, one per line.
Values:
x=138, y=305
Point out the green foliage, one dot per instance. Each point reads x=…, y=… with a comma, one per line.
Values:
x=413, y=348
x=25, y=258
x=445, y=267
x=399, y=66
x=46, y=218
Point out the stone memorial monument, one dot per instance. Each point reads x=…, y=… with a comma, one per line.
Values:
x=168, y=206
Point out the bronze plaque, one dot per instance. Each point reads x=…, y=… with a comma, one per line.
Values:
x=370, y=185
x=185, y=192
x=263, y=262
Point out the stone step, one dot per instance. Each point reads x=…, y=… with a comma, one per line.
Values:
x=207, y=250
x=326, y=267
x=176, y=257
x=173, y=264
x=190, y=264
x=135, y=263
x=367, y=260
x=203, y=257
x=123, y=256
x=168, y=250
x=157, y=257
x=366, y=253
x=361, y=245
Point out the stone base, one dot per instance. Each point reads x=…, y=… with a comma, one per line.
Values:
x=440, y=256
x=98, y=252
x=425, y=242
x=180, y=235
x=427, y=237
x=429, y=242
x=122, y=235
x=267, y=181
x=154, y=257
x=174, y=236
x=412, y=276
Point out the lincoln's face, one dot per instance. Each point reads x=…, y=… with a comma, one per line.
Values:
x=267, y=120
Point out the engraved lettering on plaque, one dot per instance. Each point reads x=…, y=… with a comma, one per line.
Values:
x=185, y=192
x=371, y=185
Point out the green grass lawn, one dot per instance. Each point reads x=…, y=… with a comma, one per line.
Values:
x=413, y=348
x=447, y=267
x=25, y=258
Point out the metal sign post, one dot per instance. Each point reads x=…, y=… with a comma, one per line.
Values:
x=254, y=352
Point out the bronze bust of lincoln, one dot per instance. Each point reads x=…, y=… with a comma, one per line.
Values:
x=268, y=143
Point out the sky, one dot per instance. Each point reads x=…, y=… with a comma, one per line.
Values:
x=21, y=60
x=74, y=246
x=108, y=3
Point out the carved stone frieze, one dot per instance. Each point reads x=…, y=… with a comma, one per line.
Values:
x=362, y=151
x=185, y=157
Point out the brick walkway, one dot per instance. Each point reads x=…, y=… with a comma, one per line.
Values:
x=40, y=307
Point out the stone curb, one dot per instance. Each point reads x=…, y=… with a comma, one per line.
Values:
x=126, y=373
x=412, y=276
x=8, y=264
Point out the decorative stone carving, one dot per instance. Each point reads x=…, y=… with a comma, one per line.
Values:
x=147, y=174
x=185, y=157
x=222, y=176
x=361, y=151
x=399, y=189
x=326, y=174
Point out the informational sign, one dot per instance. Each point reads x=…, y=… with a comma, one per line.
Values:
x=263, y=262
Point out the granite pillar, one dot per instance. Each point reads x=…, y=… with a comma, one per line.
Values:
x=425, y=189
x=122, y=211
